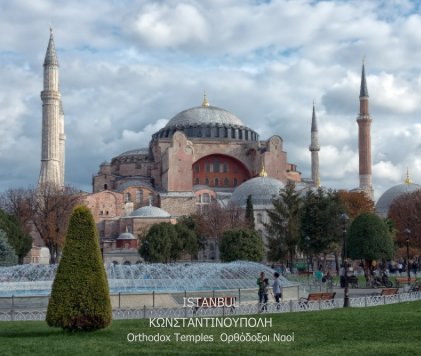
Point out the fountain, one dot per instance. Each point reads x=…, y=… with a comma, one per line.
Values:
x=36, y=280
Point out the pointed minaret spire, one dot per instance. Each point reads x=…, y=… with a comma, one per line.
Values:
x=52, y=152
x=363, y=87
x=364, y=139
x=314, y=149
x=51, y=55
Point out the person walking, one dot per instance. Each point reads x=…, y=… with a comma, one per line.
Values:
x=265, y=295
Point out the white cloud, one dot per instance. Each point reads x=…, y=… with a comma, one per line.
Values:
x=128, y=67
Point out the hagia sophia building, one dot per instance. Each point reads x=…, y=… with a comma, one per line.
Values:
x=203, y=154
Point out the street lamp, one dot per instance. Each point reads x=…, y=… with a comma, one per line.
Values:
x=344, y=219
x=307, y=241
x=408, y=234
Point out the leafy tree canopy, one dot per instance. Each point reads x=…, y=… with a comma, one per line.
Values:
x=241, y=244
x=369, y=238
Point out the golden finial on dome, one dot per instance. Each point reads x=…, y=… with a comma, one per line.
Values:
x=263, y=172
x=205, y=100
x=408, y=180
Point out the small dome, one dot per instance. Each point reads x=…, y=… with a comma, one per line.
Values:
x=126, y=236
x=204, y=115
x=150, y=212
x=387, y=198
x=262, y=190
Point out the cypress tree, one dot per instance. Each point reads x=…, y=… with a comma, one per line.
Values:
x=250, y=213
x=80, y=297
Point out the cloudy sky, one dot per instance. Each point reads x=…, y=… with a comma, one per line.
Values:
x=128, y=66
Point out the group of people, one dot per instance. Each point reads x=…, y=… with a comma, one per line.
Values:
x=263, y=290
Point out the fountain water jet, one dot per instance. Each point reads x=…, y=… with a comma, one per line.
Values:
x=175, y=277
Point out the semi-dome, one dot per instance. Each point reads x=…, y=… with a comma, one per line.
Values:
x=387, y=198
x=262, y=190
x=204, y=115
x=150, y=212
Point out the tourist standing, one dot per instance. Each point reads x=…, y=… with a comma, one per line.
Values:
x=276, y=288
x=265, y=294
x=260, y=283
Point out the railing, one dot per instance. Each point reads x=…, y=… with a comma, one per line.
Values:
x=241, y=309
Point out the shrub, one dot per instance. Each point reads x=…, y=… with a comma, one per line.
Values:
x=241, y=244
x=80, y=297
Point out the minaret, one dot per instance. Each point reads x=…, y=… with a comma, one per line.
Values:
x=314, y=149
x=364, y=139
x=52, y=153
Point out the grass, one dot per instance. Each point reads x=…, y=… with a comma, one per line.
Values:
x=385, y=330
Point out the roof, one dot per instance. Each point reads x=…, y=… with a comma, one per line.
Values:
x=150, y=212
x=204, y=115
x=135, y=152
x=262, y=190
x=126, y=236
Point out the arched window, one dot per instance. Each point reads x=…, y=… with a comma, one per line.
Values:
x=196, y=181
x=105, y=186
x=139, y=196
x=207, y=181
x=226, y=182
x=127, y=197
x=216, y=182
x=235, y=182
x=225, y=168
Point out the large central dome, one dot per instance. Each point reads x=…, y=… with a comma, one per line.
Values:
x=204, y=115
x=209, y=123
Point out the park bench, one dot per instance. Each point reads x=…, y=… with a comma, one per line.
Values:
x=315, y=297
x=215, y=302
x=415, y=287
x=404, y=280
x=389, y=291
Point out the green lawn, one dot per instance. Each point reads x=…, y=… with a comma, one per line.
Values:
x=384, y=330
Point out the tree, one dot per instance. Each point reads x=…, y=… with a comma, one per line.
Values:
x=17, y=238
x=250, y=213
x=405, y=214
x=51, y=207
x=320, y=220
x=43, y=211
x=369, y=238
x=320, y=223
x=284, y=224
x=192, y=223
x=7, y=253
x=241, y=244
x=157, y=244
x=214, y=220
x=187, y=238
x=355, y=203
x=80, y=297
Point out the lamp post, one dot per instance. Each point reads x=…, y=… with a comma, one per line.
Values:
x=408, y=234
x=344, y=219
x=307, y=241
